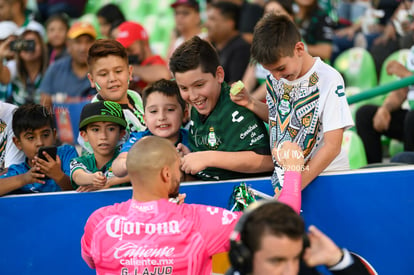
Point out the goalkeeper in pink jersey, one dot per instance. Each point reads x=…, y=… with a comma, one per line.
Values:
x=148, y=234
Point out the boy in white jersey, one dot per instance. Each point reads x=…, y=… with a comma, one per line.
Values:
x=306, y=100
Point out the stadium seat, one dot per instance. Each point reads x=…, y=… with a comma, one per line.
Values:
x=395, y=147
x=357, y=67
x=157, y=18
x=138, y=10
x=400, y=56
x=161, y=34
x=353, y=146
x=92, y=19
x=92, y=6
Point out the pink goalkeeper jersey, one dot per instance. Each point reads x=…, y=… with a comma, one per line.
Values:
x=157, y=237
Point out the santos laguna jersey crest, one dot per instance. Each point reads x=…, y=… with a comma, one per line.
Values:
x=303, y=109
x=230, y=128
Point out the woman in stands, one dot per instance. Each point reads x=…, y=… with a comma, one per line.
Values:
x=31, y=63
x=109, y=17
x=316, y=28
x=57, y=27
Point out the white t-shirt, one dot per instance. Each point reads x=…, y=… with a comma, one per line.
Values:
x=9, y=154
x=304, y=109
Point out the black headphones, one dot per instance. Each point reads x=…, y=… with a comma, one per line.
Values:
x=241, y=258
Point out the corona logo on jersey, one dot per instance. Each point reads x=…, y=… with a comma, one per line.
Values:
x=118, y=227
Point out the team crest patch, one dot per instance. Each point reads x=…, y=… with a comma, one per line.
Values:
x=284, y=107
x=212, y=140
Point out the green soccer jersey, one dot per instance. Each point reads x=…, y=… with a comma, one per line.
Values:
x=88, y=164
x=230, y=128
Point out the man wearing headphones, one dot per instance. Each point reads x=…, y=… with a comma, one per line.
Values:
x=270, y=239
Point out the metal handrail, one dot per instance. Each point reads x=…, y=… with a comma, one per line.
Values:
x=381, y=90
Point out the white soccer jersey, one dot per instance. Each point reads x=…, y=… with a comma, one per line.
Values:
x=304, y=109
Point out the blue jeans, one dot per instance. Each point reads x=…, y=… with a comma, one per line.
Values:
x=404, y=157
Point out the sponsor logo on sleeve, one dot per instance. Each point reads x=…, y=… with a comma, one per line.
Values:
x=340, y=91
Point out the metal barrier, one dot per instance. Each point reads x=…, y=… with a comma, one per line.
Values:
x=381, y=90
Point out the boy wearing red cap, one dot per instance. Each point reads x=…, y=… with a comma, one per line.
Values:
x=147, y=67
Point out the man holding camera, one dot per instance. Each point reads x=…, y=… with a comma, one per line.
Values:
x=147, y=67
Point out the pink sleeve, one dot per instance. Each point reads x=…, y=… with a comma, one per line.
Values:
x=86, y=241
x=215, y=225
x=291, y=191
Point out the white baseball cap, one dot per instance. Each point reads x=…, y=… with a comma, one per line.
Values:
x=7, y=28
x=35, y=27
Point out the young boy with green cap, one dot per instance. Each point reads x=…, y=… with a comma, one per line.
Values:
x=102, y=124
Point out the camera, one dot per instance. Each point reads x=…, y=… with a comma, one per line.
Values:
x=19, y=45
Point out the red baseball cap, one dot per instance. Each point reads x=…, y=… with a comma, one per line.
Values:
x=129, y=32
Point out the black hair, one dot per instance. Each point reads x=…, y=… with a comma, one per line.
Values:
x=112, y=13
x=105, y=47
x=276, y=219
x=274, y=37
x=287, y=5
x=192, y=54
x=62, y=17
x=31, y=117
x=228, y=10
x=166, y=87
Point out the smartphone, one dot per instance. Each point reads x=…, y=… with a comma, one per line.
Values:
x=51, y=150
x=19, y=45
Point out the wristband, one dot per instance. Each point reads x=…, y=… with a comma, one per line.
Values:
x=345, y=261
x=340, y=259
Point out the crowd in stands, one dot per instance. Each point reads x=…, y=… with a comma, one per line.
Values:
x=50, y=55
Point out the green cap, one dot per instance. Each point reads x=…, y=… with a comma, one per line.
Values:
x=102, y=111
